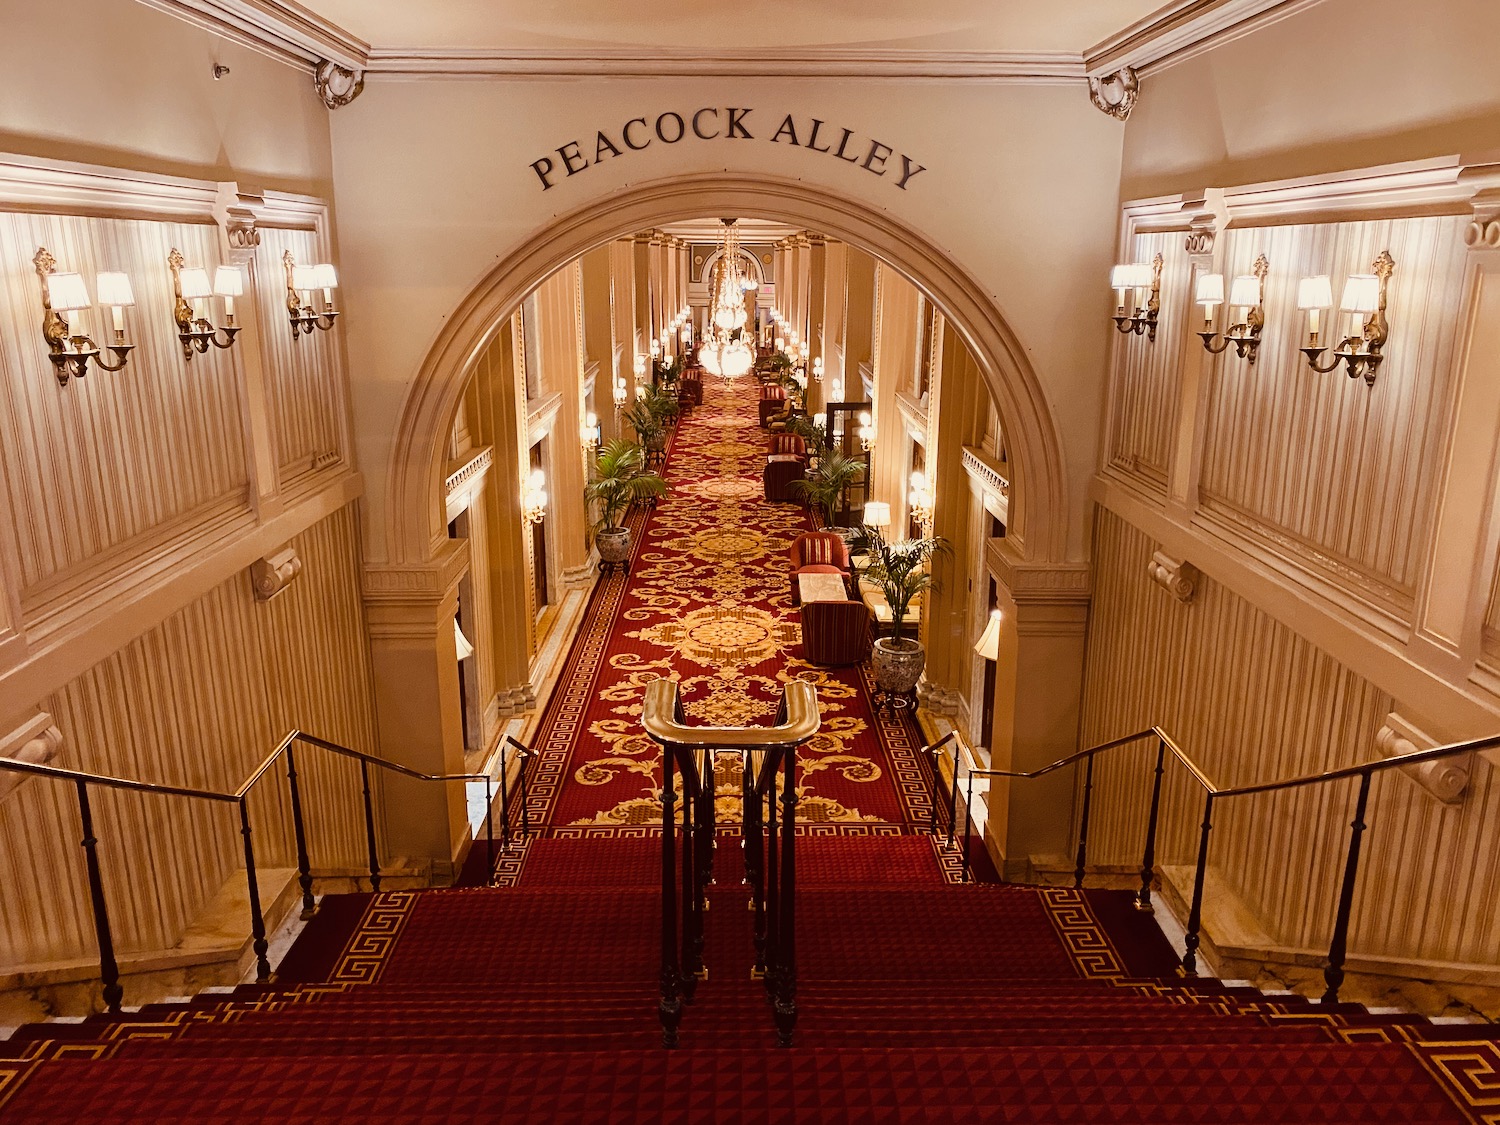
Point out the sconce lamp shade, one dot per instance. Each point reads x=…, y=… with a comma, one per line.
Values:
x=195, y=284
x=1210, y=289
x=1361, y=293
x=989, y=641
x=67, y=292
x=465, y=649
x=820, y=419
x=114, y=290
x=229, y=281
x=877, y=514
x=304, y=278
x=1315, y=293
x=1131, y=275
x=325, y=276
x=1119, y=277
x=1244, y=292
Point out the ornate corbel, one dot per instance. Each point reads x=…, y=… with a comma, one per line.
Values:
x=1116, y=94
x=37, y=740
x=337, y=85
x=1178, y=578
x=1446, y=779
x=274, y=573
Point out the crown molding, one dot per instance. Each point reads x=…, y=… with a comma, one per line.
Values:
x=285, y=31
x=1183, y=29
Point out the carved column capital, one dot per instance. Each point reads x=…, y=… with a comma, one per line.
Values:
x=36, y=740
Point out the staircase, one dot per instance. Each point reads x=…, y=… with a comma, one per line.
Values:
x=918, y=1001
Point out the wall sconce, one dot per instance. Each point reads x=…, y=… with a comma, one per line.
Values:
x=818, y=369
x=621, y=392
x=1247, y=297
x=592, y=433
x=300, y=283
x=921, y=501
x=655, y=349
x=1143, y=279
x=640, y=390
x=866, y=431
x=534, y=498
x=190, y=284
x=1365, y=301
x=64, y=293
x=781, y=343
x=988, y=645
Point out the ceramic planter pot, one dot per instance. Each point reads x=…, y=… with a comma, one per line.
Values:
x=613, y=544
x=657, y=442
x=898, y=664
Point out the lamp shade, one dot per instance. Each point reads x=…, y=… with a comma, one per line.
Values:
x=1210, y=289
x=988, y=645
x=1119, y=277
x=114, y=290
x=67, y=292
x=1244, y=292
x=461, y=642
x=304, y=278
x=877, y=514
x=1315, y=293
x=1361, y=293
x=229, y=281
x=325, y=276
x=194, y=281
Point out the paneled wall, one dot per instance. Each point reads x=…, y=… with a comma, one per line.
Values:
x=197, y=701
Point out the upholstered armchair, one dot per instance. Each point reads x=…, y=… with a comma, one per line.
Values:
x=835, y=633
x=819, y=552
x=793, y=444
x=772, y=401
x=782, y=471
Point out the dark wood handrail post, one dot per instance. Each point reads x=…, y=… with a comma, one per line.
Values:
x=785, y=1003
x=1080, y=866
x=109, y=969
x=1338, y=949
x=1192, y=939
x=304, y=865
x=1148, y=860
x=252, y=885
x=670, y=1009
x=504, y=801
x=364, y=772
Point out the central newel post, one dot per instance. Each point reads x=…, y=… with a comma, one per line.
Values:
x=689, y=752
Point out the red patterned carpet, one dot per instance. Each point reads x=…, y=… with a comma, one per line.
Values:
x=708, y=603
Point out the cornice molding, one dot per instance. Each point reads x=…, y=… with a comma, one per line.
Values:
x=1183, y=29
x=283, y=30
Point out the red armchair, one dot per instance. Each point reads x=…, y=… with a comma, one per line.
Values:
x=772, y=401
x=782, y=471
x=835, y=633
x=793, y=444
x=819, y=551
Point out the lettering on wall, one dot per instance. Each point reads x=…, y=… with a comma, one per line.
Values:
x=730, y=123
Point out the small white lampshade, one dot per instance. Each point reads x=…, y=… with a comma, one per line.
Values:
x=820, y=419
x=1119, y=277
x=1361, y=293
x=864, y=417
x=537, y=479
x=229, y=281
x=195, y=283
x=1244, y=291
x=919, y=480
x=877, y=514
x=1315, y=293
x=1140, y=275
x=67, y=292
x=592, y=420
x=304, y=277
x=114, y=290
x=1210, y=289
x=461, y=642
x=989, y=641
x=325, y=276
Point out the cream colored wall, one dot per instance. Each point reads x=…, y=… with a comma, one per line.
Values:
x=1342, y=84
x=1000, y=194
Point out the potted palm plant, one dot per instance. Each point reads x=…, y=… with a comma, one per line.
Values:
x=619, y=478
x=649, y=416
x=824, y=486
x=901, y=572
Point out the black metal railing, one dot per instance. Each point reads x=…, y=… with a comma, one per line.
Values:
x=768, y=760
x=1333, y=972
x=109, y=969
x=524, y=754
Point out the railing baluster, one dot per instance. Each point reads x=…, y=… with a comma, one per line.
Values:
x=489, y=827
x=785, y=1003
x=525, y=796
x=1191, y=940
x=689, y=847
x=953, y=798
x=252, y=885
x=753, y=829
x=1080, y=867
x=304, y=865
x=1337, y=950
x=773, y=870
x=364, y=771
x=968, y=822
x=670, y=1009
x=504, y=801
x=109, y=969
x=1148, y=860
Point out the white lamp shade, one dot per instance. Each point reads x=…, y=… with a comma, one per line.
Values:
x=194, y=282
x=877, y=514
x=989, y=641
x=114, y=290
x=820, y=419
x=918, y=481
x=537, y=479
x=1244, y=292
x=325, y=276
x=461, y=642
x=304, y=277
x=1361, y=293
x=1119, y=277
x=1315, y=293
x=229, y=281
x=67, y=292
x=1210, y=289
x=592, y=420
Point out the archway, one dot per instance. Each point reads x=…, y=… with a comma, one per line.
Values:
x=415, y=526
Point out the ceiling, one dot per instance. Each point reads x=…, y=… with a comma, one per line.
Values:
x=1001, y=26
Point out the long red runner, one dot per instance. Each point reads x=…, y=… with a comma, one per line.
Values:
x=708, y=603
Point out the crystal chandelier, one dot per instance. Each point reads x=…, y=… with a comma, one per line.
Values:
x=723, y=351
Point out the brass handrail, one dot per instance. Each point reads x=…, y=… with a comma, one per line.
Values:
x=661, y=717
x=83, y=780
x=1365, y=771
